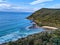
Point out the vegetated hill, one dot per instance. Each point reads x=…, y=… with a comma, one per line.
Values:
x=47, y=17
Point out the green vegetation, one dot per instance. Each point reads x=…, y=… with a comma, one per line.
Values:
x=47, y=17
x=43, y=38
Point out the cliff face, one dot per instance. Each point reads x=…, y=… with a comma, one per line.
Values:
x=45, y=16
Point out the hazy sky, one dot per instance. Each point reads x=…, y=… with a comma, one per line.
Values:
x=27, y=5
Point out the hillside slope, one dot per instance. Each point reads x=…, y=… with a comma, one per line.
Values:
x=47, y=17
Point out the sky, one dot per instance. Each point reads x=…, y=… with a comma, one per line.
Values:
x=27, y=5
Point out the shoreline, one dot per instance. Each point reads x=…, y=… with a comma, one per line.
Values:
x=13, y=39
x=45, y=27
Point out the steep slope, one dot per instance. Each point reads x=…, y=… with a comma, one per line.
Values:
x=47, y=17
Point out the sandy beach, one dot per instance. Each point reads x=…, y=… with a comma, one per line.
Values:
x=49, y=27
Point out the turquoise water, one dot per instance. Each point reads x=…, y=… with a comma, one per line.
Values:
x=13, y=25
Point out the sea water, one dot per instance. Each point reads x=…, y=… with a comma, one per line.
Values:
x=13, y=25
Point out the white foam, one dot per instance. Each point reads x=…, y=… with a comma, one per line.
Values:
x=11, y=37
x=16, y=35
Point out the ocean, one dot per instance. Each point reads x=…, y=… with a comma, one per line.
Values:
x=13, y=25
